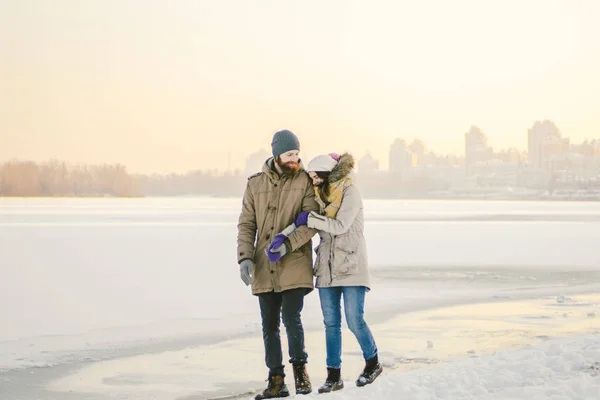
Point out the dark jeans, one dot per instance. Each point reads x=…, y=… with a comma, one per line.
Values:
x=289, y=305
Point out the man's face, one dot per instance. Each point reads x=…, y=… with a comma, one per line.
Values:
x=288, y=162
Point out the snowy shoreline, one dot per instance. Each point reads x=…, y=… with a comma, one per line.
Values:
x=421, y=345
x=420, y=340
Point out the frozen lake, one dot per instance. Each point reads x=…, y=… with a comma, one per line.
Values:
x=85, y=274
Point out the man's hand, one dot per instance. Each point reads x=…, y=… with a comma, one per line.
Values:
x=246, y=271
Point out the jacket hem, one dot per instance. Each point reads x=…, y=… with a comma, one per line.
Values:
x=310, y=288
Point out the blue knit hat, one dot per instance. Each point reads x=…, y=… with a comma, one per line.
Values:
x=284, y=141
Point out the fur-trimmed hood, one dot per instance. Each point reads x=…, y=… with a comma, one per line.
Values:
x=344, y=166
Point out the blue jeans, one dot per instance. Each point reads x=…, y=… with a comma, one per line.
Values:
x=354, y=307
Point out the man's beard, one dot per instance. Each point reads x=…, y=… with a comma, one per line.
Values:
x=289, y=168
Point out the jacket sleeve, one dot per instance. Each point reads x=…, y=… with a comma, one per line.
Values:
x=349, y=209
x=246, y=227
x=301, y=235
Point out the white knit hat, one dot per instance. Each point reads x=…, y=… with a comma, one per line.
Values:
x=322, y=163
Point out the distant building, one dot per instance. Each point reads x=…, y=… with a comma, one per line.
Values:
x=587, y=148
x=368, y=165
x=476, y=149
x=510, y=156
x=545, y=142
x=402, y=159
x=418, y=148
x=255, y=161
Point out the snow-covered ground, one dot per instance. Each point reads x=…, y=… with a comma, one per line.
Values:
x=558, y=370
x=141, y=298
x=479, y=340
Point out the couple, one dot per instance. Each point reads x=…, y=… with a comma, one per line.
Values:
x=283, y=207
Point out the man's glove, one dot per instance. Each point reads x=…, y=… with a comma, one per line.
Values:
x=302, y=218
x=277, y=248
x=246, y=271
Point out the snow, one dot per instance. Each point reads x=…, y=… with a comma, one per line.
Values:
x=141, y=298
x=561, y=369
x=476, y=339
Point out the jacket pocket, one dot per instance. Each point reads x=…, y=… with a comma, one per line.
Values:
x=345, y=260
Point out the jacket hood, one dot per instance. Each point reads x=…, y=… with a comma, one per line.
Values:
x=343, y=168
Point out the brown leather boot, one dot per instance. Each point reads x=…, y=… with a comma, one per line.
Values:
x=301, y=379
x=275, y=389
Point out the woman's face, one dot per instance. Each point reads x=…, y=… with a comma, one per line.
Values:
x=315, y=178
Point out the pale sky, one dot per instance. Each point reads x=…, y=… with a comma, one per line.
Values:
x=170, y=86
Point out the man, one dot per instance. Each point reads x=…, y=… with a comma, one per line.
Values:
x=280, y=273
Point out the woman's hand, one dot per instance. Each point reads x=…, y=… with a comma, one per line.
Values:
x=302, y=218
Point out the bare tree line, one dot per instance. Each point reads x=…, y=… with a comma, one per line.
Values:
x=58, y=178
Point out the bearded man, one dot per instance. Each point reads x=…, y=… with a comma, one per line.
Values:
x=279, y=267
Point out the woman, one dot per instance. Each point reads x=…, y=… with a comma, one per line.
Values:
x=341, y=265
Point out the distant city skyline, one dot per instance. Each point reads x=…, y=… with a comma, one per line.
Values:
x=476, y=149
x=261, y=153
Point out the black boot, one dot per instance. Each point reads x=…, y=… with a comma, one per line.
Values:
x=372, y=370
x=276, y=388
x=301, y=379
x=333, y=382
